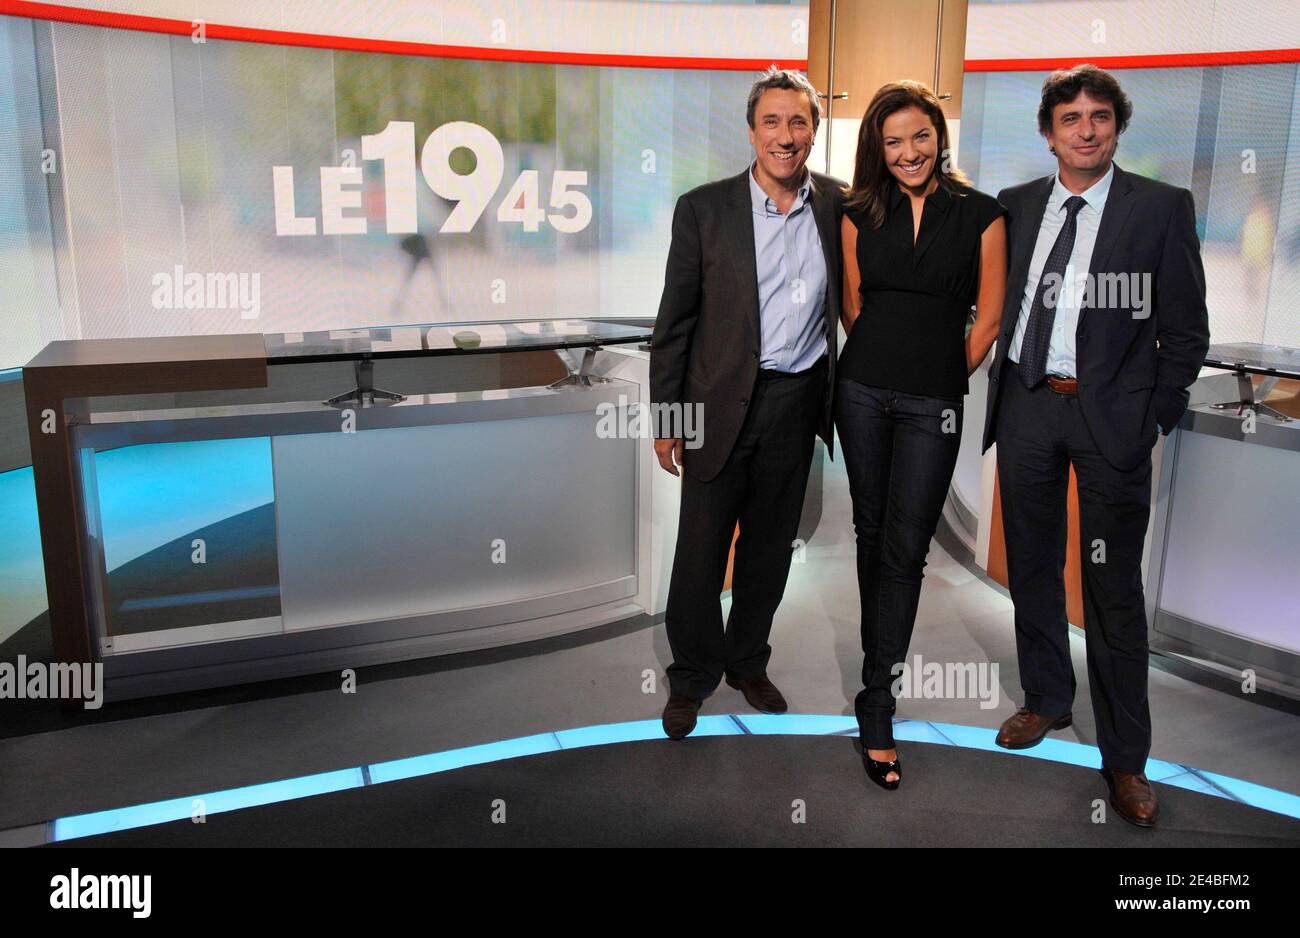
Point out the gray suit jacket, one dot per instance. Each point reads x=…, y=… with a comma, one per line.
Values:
x=707, y=337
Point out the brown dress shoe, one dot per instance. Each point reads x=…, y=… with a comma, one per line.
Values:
x=1027, y=729
x=760, y=692
x=679, y=715
x=1132, y=797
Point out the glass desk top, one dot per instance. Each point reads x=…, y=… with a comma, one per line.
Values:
x=1253, y=357
x=449, y=339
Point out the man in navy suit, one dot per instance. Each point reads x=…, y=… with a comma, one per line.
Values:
x=1104, y=329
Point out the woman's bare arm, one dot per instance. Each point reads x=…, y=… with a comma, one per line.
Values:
x=851, y=300
x=992, y=292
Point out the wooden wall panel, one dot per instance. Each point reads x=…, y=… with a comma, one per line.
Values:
x=997, y=565
x=878, y=41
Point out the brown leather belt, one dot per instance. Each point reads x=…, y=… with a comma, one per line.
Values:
x=1063, y=385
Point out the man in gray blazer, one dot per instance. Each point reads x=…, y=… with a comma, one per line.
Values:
x=746, y=333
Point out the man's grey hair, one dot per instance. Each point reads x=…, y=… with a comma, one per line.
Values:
x=789, y=80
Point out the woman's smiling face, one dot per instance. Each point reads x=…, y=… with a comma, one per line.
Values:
x=911, y=146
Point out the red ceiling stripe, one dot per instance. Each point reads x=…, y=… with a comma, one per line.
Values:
x=1167, y=60
x=155, y=24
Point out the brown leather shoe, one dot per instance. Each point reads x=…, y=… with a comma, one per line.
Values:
x=1132, y=797
x=760, y=692
x=679, y=715
x=1027, y=729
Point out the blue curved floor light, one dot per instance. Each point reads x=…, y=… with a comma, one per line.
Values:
x=811, y=724
x=244, y=463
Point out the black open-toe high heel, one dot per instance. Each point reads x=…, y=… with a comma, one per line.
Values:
x=878, y=772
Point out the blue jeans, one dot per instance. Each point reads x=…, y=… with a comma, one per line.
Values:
x=900, y=451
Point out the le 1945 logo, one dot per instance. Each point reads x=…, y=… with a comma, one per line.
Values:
x=340, y=186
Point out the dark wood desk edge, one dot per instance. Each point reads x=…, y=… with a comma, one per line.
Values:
x=104, y=352
x=53, y=387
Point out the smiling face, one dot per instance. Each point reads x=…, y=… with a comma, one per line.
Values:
x=782, y=136
x=1084, y=136
x=911, y=146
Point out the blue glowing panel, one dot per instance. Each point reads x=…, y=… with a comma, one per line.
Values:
x=1270, y=799
x=1158, y=770
x=457, y=758
x=717, y=726
x=797, y=724
x=971, y=737
x=1192, y=782
x=919, y=731
x=610, y=733
x=175, y=809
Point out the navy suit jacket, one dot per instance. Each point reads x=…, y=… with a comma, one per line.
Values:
x=1134, y=369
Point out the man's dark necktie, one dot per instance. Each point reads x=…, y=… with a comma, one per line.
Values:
x=1038, y=331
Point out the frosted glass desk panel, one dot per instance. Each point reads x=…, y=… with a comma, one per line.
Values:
x=1230, y=559
x=382, y=524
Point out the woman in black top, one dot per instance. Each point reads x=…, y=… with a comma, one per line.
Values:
x=921, y=247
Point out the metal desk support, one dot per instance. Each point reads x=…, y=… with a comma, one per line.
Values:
x=581, y=376
x=1247, y=401
x=365, y=394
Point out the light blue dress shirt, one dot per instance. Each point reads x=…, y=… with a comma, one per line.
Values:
x=791, y=280
x=1060, y=348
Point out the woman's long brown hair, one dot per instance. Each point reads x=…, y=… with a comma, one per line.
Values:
x=872, y=180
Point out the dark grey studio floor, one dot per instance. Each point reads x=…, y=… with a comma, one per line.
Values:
x=730, y=791
x=180, y=747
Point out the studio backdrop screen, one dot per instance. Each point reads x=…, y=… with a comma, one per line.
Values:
x=1209, y=115
x=185, y=184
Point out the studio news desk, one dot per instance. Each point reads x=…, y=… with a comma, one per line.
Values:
x=1221, y=587
x=195, y=546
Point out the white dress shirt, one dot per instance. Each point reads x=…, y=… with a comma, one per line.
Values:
x=1060, y=348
